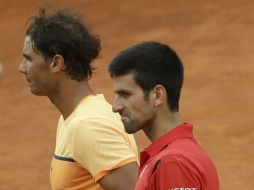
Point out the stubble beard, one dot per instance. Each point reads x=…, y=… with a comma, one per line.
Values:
x=130, y=127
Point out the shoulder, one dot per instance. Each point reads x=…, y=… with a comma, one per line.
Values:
x=99, y=125
x=182, y=160
x=101, y=132
x=98, y=109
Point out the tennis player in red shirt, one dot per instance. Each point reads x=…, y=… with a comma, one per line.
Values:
x=148, y=78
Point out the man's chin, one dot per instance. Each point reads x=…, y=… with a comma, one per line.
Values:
x=130, y=129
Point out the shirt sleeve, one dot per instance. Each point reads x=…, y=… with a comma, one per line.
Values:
x=174, y=174
x=100, y=147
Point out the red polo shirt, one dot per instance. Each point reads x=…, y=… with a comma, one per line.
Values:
x=176, y=162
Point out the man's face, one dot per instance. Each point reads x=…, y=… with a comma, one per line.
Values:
x=136, y=112
x=35, y=69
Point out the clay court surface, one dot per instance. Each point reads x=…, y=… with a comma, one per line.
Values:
x=215, y=40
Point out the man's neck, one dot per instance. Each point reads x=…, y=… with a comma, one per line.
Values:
x=69, y=94
x=162, y=124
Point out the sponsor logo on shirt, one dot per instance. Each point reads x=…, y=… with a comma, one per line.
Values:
x=184, y=188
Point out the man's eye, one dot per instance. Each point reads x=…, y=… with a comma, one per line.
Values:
x=26, y=59
x=124, y=94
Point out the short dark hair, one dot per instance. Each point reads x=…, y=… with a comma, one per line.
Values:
x=152, y=63
x=64, y=32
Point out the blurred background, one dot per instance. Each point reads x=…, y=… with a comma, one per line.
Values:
x=215, y=40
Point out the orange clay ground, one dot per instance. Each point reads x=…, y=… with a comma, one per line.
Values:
x=215, y=41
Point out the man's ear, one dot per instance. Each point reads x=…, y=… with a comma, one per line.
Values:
x=158, y=95
x=57, y=63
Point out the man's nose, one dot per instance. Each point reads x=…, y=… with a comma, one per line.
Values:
x=117, y=106
x=22, y=68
